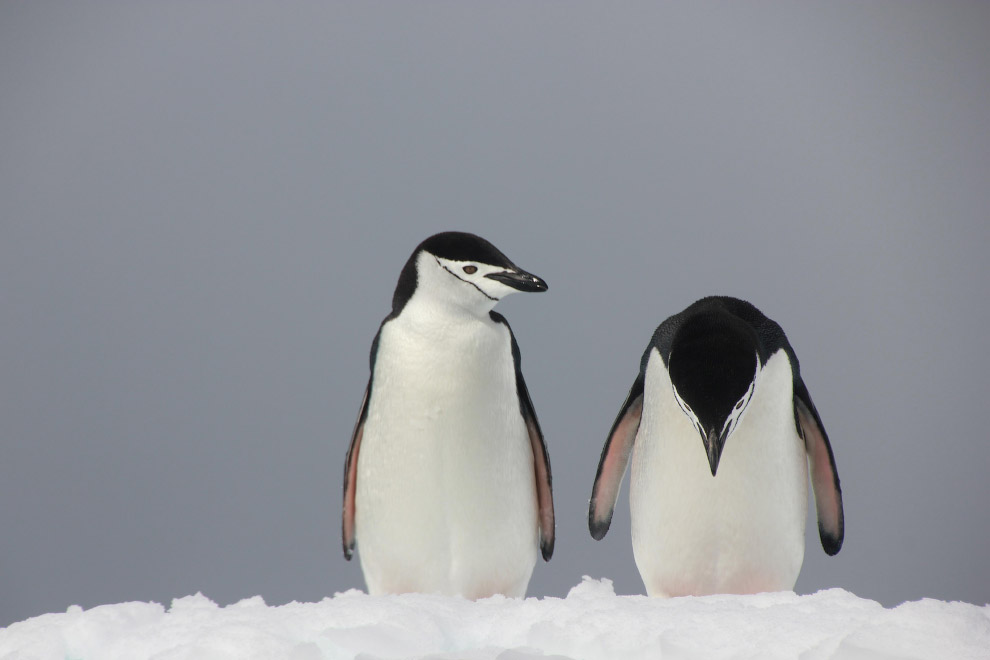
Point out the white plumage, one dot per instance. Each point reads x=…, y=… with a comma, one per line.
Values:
x=446, y=491
x=741, y=531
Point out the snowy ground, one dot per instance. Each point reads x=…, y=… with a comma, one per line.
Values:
x=591, y=622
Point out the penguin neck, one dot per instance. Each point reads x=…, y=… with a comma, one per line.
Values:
x=436, y=310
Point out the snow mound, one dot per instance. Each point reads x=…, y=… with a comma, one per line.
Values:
x=591, y=622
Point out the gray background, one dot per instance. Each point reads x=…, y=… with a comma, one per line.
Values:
x=204, y=208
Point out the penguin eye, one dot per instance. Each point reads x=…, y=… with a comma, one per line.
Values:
x=470, y=270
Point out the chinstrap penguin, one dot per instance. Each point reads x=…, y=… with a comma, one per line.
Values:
x=722, y=432
x=447, y=485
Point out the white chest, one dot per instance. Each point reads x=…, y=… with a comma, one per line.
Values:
x=454, y=377
x=446, y=496
x=739, y=531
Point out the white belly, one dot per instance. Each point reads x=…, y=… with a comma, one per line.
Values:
x=446, y=494
x=741, y=531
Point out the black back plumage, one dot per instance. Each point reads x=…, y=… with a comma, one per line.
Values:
x=770, y=336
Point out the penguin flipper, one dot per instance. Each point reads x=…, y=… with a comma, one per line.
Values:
x=350, y=477
x=541, y=460
x=824, y=477
x=541, y=464
x=615, y=457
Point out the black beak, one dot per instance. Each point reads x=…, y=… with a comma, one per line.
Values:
x=713, y=447
x=519, y=280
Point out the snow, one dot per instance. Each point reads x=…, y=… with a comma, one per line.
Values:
x=591, y=622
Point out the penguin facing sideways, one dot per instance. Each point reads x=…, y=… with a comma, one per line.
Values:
x=447, y=485
x=722, y=433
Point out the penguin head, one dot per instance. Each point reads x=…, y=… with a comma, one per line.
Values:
x=713, y=365
x=461, y=269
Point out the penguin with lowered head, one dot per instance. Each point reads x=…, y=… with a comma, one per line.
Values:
x=721, y=432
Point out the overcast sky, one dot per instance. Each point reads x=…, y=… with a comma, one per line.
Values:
x=204, y=207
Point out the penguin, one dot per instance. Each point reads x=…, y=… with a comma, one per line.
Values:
x=726, y=514
x=447, y=483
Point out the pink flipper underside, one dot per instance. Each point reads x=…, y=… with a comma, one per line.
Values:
x=828, y=499
x=350, y=481
x=544, y=494
x=614, y=463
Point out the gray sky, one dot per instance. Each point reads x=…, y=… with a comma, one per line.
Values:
x=204, y=208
